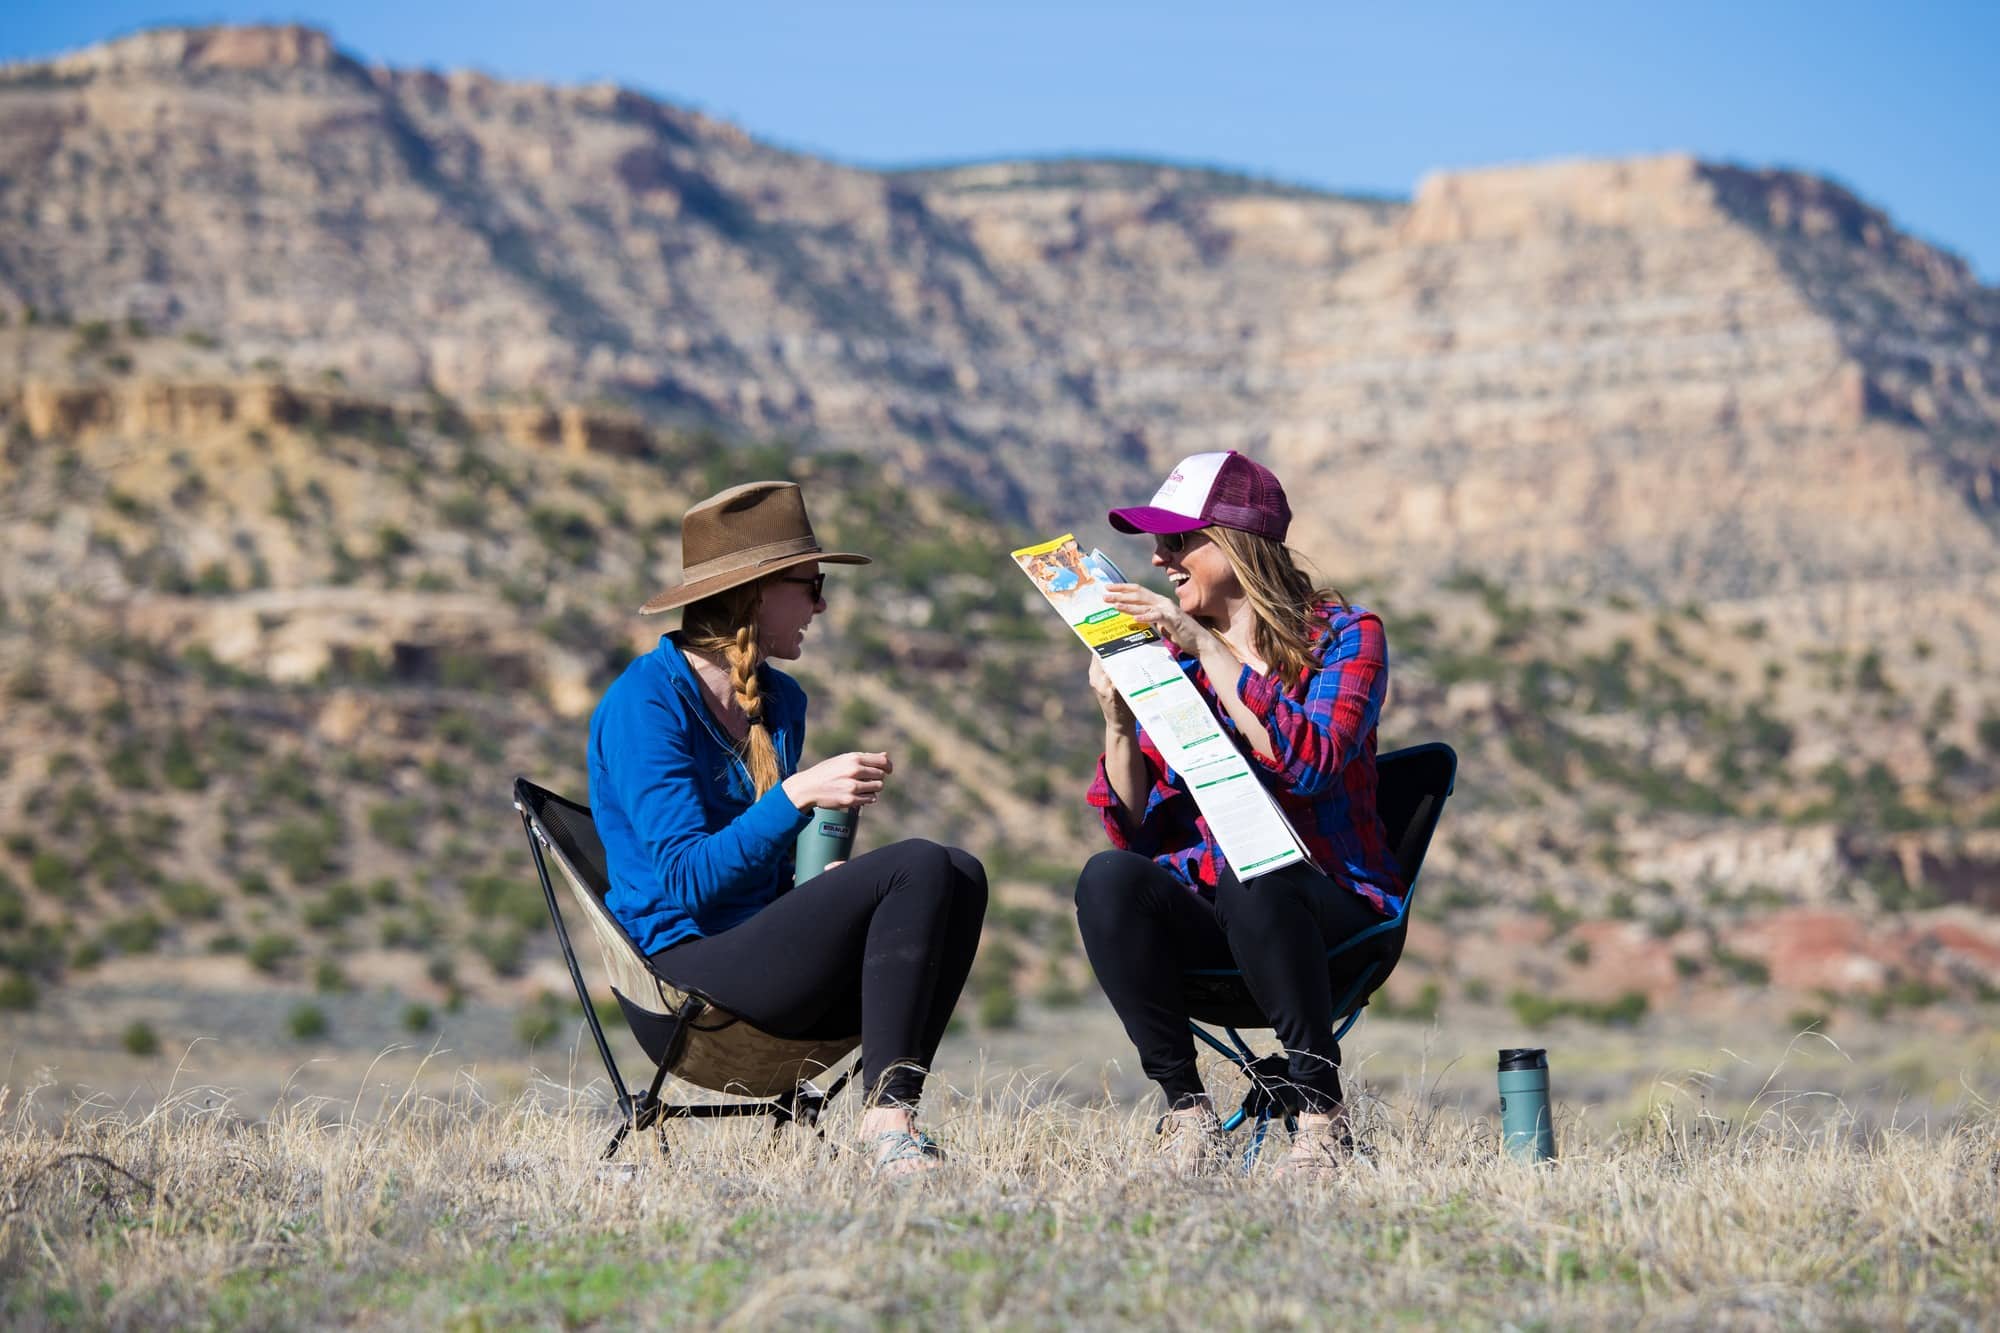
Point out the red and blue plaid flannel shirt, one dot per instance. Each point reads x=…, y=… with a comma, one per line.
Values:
x=1323, y=776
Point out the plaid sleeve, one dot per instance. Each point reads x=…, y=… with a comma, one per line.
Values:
x=1313, y=738
x=1146, y=835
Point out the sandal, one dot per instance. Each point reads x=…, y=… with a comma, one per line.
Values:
x=905, y=1152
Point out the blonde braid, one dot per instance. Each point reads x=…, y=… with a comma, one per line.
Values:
x=760, y=752
x=727, y=624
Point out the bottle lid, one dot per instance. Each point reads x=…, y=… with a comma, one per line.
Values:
x=1524, y=1057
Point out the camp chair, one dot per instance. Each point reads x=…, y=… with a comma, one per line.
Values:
x=684, y=1033
x=1412, y=786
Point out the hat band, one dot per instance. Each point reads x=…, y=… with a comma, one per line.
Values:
x=750, y=557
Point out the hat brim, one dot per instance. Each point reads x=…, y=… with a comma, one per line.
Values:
x=1147, y=519
x=683, y=593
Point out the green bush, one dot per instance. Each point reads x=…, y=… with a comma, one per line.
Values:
x=998, y=1006
x=1538, y=1011
x=502, y=950
x=180, y=766
x=539, y=1022
x=506, y=898
x=306, y=849
x=416, y=1018
x=307, y=1022
x=134, y=934
x=191, y=901
x=394, y=826
x=328, y=979
x=1806, y=1020
x=17, y=991
x=338, y=904
x=1749, y=971
x=270, y=951
x=140, y=1039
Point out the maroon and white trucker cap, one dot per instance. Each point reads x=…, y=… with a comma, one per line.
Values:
x=1224, y=489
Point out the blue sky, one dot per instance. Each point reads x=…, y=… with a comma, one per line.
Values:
x=1896, y=102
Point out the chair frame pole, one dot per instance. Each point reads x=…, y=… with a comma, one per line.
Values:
x=537, y=841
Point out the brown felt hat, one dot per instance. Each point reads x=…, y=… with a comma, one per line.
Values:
x=741, y=535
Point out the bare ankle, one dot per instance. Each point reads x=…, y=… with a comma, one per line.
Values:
x=879, y=1120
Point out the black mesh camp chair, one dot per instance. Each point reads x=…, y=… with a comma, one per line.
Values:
x=683, y=1033
x=1412, y=787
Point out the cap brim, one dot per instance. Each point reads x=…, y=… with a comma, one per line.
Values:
x=682, y=594
x=1145, y=518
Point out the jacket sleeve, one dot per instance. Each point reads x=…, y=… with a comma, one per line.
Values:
x=1149, y=828
x=1314, y=737
x=664, y=791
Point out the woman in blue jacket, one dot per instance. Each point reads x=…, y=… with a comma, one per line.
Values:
x=698, y=796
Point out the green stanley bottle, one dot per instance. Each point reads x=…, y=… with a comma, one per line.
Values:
x=1526, y=1126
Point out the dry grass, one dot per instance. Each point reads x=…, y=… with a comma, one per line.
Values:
x=406, y=1209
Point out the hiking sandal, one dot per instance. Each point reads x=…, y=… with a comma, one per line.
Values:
x=905, y=1152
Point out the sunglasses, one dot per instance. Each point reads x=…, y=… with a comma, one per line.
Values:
x=817, y=583
x=1175, y=543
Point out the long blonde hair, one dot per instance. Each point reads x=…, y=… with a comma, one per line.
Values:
x=1284, y=599
x=726, y=624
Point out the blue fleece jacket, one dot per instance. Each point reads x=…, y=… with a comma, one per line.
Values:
x=691, y=849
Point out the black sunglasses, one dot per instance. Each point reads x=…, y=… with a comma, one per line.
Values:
x=1174, y=543
x=817, y=583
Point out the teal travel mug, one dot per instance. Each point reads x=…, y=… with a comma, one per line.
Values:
x=827, y=836
x=1526, y=1126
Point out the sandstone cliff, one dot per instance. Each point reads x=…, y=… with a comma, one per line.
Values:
x=1664, y=376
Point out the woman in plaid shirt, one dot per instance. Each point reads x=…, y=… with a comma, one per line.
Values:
x=1296, y=675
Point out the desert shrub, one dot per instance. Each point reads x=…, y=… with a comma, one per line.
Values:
x=416, y=1018
x=394, y=826
x=306, y=1022
x=1806, y=1020
x=305, y=849
x=17, y=991
x=539, y=1022
x=191, y=901
x=13, y=906
x=1422, y=1009
x=126, y=767
x=505, y=898
x=270, y=951
x=135, y=934
x=87, y=955
x=1750, y=971
x=502, y=949
x=567, y=535
x=339, y=903
x=1538, y=1011
x=328, y=979
x=998, y=1006
x=180, y=766
x=140, y=1039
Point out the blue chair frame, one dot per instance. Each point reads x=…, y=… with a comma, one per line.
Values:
x=1412, y=786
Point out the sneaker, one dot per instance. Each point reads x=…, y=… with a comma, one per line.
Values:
x=1191, y=1143
x=1321, y=1148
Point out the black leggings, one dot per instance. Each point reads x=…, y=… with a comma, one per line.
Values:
x=879, y=946
x=1142, y=928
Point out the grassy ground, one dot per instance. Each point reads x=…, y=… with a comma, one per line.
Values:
x=422, y=1209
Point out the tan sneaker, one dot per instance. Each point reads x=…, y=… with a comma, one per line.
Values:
x=1191, y=1143
x=1321, y=1148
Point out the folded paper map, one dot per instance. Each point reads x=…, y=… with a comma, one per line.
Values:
x=1253, y=833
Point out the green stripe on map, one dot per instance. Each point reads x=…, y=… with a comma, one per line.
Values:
x=1216, y=782
x=1267, y=860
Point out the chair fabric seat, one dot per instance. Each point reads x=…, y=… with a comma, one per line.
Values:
x=697, y=1040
